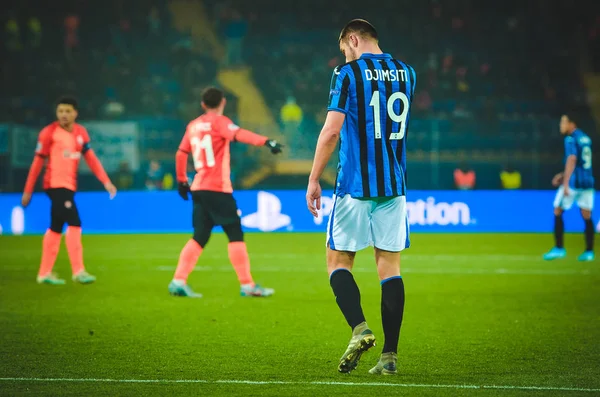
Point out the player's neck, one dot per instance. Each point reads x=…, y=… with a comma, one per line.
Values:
x=214, y=112
x=371, y=49
x=67, y=127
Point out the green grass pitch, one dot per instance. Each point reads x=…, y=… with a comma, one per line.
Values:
x=482, y=310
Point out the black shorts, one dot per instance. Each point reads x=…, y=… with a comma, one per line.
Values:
x=213, y=209
x=63, y=209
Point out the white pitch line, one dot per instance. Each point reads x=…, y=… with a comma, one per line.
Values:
x=258, y=382
x=322, y=383
x=96, y=380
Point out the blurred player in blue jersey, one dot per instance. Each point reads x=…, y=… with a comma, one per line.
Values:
x=368, y=112
x=576, y=184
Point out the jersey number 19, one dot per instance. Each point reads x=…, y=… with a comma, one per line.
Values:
x=202, y=144
x=391, y=113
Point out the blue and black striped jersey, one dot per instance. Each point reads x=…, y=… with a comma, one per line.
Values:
x=375, y=92
x=578, y=144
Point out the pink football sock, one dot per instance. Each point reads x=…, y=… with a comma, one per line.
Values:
x=75, y=248
x=50, y=248
x=238, y=255
x=187, y=260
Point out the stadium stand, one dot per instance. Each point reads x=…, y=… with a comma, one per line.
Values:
x=487, y=91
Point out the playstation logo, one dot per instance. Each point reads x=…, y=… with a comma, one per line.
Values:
x=268, y=216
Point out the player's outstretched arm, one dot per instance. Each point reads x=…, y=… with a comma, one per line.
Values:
x=229, y=130
x=96, y=166
x=328, y=139
x=274, y=146
x=251, y=138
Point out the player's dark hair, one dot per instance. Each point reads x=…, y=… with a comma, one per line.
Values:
x=212, y=97
x=360, y=27
x=573, y=117
x=68, y=100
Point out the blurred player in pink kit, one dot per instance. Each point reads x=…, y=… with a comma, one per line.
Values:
x=59, y=148
x=207, y=139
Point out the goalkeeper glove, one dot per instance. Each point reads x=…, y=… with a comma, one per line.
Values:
x=274, y=146
x=183, y=190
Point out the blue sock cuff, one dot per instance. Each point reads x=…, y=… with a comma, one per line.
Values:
x=337, y=270
x=388, y=279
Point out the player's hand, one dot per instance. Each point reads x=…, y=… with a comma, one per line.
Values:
x=557, y=180
x=25, y=200
x=567, y=190
x=184, y=189
x=111, y=189
x=274, y=146
x=313, y=197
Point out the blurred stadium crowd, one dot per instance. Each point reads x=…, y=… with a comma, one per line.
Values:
x=121, y=59
x=491, y=80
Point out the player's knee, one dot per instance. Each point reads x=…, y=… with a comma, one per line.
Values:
x=388, y=263
x=201, y=236
x=586, y=214
x=558, y=211
x=332, y=267
x=339, y=260
x=388, y=267
x=386, y=271
x=234, y=232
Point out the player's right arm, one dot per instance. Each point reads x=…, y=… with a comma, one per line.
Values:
x=181, y=158
x=570, y=163
x=557, y=180
x=232, y=132
x=42, y=151
x=328, y=138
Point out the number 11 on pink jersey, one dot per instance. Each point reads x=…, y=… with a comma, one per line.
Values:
x=202, y=144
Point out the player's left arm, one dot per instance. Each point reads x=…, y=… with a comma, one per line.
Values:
x=232, y=132
x=326, y=144
x=570, y=163
x=181, y=159
x=96, y=166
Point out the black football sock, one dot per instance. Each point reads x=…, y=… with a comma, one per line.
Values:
x=347, y=296
x=392, y=311
x=559, y=230
x=589, y=235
